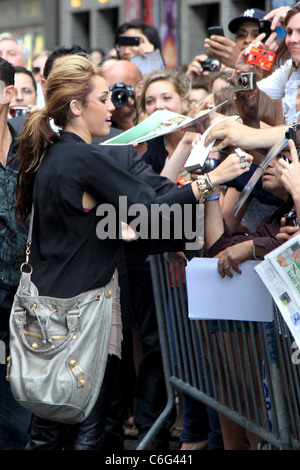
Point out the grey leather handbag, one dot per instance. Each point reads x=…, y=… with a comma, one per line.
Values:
x=58, y=348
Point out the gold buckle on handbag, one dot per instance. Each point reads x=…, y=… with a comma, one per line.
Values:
x=77, y=372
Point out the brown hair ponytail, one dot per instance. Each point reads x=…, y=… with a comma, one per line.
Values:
x=36, y=137
x=70, y=79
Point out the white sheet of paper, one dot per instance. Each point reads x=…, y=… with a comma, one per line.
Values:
x=200, y=152
x=244, y=297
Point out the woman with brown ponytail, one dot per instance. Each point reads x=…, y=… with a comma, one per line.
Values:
x=68, y=186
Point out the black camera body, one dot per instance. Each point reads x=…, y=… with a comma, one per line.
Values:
x=16, y=111
x=212, y=65
x=291, y=133
x=245, y=81
x=120, y=94
x=265, y=27
x=291, y=219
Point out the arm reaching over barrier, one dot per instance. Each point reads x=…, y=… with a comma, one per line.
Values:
x=233, y=133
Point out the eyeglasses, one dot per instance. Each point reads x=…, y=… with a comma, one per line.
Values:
x=244, y=34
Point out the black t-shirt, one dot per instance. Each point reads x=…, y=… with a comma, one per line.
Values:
x=156, y=154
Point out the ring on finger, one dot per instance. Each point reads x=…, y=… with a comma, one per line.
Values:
x=243, y=165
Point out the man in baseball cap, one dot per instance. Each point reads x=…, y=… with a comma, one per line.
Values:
x=252, y=14
x=245, y=26
x=246, y=29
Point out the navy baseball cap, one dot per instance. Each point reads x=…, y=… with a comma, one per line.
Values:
x=252, y=14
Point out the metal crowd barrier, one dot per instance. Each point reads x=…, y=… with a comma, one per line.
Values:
x=247, y=371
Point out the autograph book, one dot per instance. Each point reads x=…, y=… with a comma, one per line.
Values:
x=161, y=122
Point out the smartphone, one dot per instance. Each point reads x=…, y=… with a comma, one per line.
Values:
x=216, y=31
x=260, y=57
x=265, y=27
x=128, y=40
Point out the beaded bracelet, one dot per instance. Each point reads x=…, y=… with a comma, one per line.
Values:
x=213, y=198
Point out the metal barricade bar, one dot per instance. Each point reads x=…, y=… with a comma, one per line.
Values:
x=241, y=369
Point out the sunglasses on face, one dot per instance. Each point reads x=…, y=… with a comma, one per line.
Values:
x=244, y=34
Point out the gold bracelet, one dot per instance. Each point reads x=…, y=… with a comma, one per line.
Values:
x=203, y=187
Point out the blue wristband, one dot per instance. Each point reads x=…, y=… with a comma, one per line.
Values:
x=212, y=198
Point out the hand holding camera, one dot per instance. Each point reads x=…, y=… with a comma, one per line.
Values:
x=120, y=93
x=245, y=81
x=246, y=99
x=221, y=48
x=261, y=58
x=200, y=64
x=16, y=111
x=139, y=43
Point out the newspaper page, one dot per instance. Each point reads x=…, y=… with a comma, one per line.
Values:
x=280, y=272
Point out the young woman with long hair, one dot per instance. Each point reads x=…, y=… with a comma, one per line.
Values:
x=66, y=187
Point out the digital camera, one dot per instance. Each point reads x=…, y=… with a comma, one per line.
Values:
x=16, y=111
x=245, y=81
x=212, y=65
x=291, y=219
x=120, y=94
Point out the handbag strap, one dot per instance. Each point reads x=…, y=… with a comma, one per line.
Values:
x=29, y=238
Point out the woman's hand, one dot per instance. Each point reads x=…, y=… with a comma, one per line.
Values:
x=231, y=167
x=145, y=46
x=141, y=148
x=195, y=70
x=242, y=65
x=277, y=16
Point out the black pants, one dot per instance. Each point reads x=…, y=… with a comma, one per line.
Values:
x=48, y=435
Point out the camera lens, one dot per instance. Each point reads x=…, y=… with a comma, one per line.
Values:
x=120, y=94
x=119, y=98
x=215, y=65
x=243, y=81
